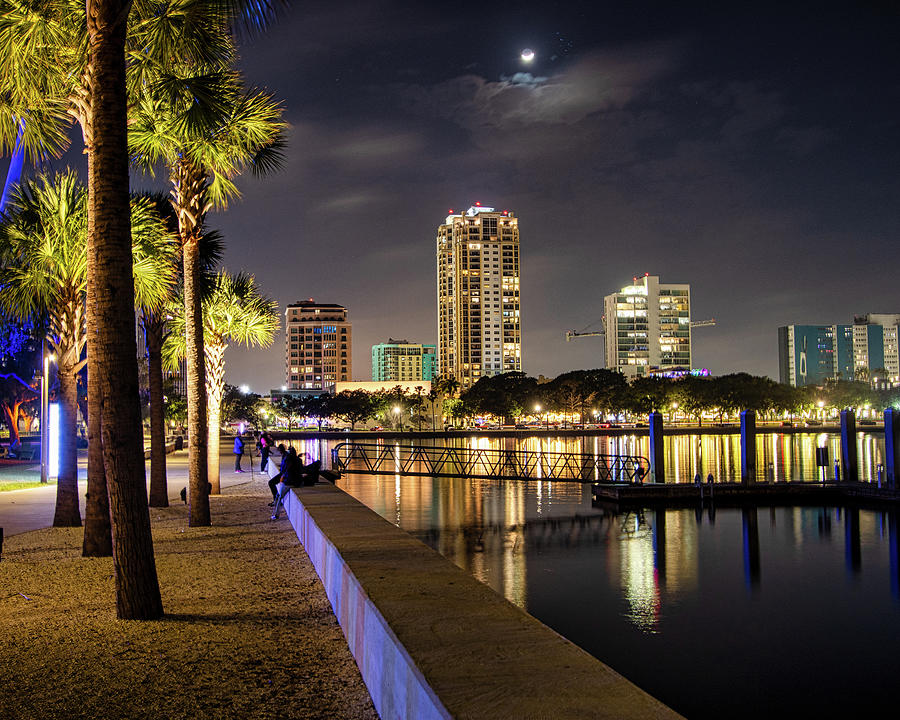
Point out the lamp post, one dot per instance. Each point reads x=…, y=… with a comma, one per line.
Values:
x=399, y=413
x=45, y=414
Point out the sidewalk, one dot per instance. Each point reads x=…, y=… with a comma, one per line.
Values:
x=32, y=509
x=248, y=631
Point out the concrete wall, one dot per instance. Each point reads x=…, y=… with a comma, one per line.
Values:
x=433, y=642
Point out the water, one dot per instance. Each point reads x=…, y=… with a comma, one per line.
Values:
x=763, y=612
x=780, y=456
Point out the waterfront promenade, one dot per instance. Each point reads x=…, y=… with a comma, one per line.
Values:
x=248, y=632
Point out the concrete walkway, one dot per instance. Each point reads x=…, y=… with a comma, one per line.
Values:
x=32, y=509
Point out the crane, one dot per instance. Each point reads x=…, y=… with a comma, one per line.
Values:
x=570, y=334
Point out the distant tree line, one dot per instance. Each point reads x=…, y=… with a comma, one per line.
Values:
x=577, y=396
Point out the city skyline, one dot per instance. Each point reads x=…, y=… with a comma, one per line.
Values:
x=748, y=152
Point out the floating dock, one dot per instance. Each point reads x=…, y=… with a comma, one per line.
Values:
x=737, y=494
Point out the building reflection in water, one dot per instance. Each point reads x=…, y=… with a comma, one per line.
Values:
x=497, y=530
x=750, y=523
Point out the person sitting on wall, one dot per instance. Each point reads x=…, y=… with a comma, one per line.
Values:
x=300, y=475
x=297, y=475
x=286, y=459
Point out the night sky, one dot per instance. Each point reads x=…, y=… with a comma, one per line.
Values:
x=752, y=153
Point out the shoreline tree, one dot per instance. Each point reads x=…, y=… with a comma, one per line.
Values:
x=234, y=311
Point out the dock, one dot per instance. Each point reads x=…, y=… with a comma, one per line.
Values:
x=738, y=494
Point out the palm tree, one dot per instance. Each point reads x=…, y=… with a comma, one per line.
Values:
x=44, y=273
x=235, y=311
x=433, y=395
x=241, y=130
x=154, y=323
x=59, y=63
x=51, y=71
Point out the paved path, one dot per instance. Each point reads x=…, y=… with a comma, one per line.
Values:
x=32, y=509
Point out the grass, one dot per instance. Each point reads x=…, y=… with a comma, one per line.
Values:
x=5, y=486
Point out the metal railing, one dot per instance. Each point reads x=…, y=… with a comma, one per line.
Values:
x=389, y=459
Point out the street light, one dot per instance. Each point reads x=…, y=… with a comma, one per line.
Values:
x=537, y=409
x=45, y=415
x=398, y=412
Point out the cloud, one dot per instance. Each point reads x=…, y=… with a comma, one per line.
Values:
x=599, y=83
x=375, y=145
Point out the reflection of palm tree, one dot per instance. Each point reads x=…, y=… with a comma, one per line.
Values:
x=44, y=273
x=234, y=311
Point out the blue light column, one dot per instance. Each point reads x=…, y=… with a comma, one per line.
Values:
x=849, y=458
x=748, y=447
x=891, y=446
x=657, y=454
x=15, y=169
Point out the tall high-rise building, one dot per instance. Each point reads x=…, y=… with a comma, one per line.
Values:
x=317, y=346
x=812, y=354
x=479, y=321
x=403, y=361
x=648, y=326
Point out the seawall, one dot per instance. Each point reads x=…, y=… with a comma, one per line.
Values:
x=433, y=642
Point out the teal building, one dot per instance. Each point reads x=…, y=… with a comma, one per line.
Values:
x=403, y=361
x=867, y=350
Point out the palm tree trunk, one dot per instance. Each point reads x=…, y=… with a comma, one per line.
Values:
x=114, y=348
x=196, y=386
x=215, y=386
x=159, y=491
x=97, y=527
x=67, y=513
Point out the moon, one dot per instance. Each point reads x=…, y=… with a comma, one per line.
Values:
x=527, y=55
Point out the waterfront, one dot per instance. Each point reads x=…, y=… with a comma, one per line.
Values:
x=768, y=611
x=780, y=456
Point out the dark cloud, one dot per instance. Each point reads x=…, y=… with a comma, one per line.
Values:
x=736, y=151
x=598, y=83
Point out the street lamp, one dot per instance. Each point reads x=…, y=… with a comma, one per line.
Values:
x=45, y=415
x=398, y=412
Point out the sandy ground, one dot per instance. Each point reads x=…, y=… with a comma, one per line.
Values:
x=248, y=632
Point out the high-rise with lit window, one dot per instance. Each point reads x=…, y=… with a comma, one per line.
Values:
x=317, y=346
x=479, y=321
x=402, y=361
x=868, y=351
x=648, y=327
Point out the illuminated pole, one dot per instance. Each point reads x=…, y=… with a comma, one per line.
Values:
x=45, y=397
x=398, y=412
x=15, y=168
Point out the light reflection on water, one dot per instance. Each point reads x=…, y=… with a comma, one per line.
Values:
x=759, y=602
x=780, y=457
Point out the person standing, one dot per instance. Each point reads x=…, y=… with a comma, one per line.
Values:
x=238, y=452
x=265, y=446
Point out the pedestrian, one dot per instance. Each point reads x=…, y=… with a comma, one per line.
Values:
x=238, y=452
x=265, y=445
